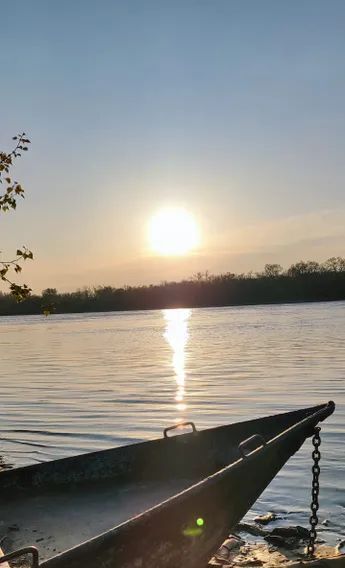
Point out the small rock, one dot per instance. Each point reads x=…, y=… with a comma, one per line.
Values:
x=291, y=532
x=233, y=542
x=13, y=527
x=252, y=562
x=251, y=529
x=281, y=542
x=266, y=519
x=325, y=522
x=340, y=545
x=229, y=546
x=245, y=550
x=39, y=539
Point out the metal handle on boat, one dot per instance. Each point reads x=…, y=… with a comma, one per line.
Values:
x=166, y=430
x=20, y=552
x=255, y=438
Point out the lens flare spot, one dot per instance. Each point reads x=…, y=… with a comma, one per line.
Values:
x=192, y=532
x=200, y=522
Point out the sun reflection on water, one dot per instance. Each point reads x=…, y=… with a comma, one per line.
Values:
x=176, y=334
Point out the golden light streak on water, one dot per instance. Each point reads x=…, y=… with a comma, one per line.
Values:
x=176, y=334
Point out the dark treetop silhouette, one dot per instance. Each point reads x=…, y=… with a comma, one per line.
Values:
x=301, y=282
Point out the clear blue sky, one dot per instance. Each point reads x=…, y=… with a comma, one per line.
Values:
x=233, y=109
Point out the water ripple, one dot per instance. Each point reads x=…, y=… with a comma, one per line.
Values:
x=81, y=382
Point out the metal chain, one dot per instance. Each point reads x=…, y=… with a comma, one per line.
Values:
x=314, y=506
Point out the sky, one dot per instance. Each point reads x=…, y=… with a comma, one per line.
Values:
x=232, y=109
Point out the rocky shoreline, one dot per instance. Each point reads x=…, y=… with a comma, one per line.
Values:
x=273, y=547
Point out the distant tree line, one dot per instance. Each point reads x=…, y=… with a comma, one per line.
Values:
x=305, y=281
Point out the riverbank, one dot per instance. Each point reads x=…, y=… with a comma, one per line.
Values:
x=51, y=310
x=206, y=291
x=256, y=544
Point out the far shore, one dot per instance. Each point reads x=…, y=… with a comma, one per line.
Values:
x=171, y=307
x=303, y=282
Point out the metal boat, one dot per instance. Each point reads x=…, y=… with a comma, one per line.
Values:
x=163, y=503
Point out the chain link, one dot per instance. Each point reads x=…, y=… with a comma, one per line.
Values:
x=314, y=506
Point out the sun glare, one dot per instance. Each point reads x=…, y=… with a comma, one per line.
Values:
x=173, y=232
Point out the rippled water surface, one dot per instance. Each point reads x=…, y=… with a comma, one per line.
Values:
x=76, y=383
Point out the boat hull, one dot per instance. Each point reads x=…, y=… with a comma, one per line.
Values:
x=187, y=527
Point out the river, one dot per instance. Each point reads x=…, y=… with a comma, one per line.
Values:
x=80, y=382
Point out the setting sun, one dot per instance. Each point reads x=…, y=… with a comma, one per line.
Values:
x=173, y=231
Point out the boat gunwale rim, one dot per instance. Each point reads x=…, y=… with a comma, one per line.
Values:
x=326, y=410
